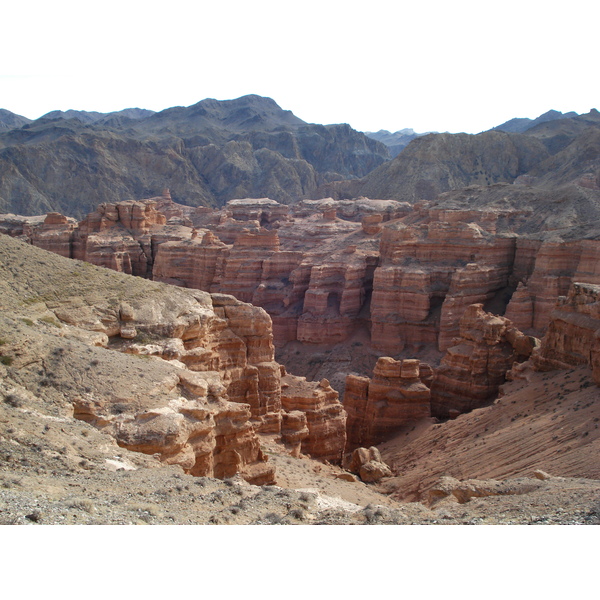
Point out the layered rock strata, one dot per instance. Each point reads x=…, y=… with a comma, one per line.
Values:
x=208, y=383
x=323, y=267
x=325, y=416
x=556, y=266
x=473, y=369
x=428, y=274
x=573, y=336
x=395, y=396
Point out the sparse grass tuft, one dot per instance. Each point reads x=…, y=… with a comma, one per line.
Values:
x=50, y=321
x=82, y=504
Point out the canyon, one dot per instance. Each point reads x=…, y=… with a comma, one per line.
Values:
x=436, y=302
x=324, y=269
x=415, y=349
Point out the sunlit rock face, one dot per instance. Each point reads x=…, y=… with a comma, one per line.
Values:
x=573, y=333
x=397, y=394
x=473, y=369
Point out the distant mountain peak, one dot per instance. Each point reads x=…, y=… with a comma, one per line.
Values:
x=397, y=141
x=86, y=117
x=520, y=125
x=10, y=120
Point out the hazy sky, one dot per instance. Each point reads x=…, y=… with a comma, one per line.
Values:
x=453, y=66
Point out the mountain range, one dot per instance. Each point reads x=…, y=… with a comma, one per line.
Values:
x=206, y=154
x=550, y=154
x=215, y=151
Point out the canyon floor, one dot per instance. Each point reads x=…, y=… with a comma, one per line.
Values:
x=57, y=470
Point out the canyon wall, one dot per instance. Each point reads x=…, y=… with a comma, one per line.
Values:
x=397, y=394
x=473, y=368
x=323, y=268
x=573, y=336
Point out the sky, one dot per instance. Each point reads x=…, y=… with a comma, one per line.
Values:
x=430, y=65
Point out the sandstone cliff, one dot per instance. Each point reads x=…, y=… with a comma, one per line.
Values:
x=475, y=366
x=572, y=338
x=338, y=275
x=397, y=394
x=176, y=373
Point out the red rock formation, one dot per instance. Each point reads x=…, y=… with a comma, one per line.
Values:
x=573, y=336
x=395, y=396
x=265, y=211
x=192, y=263
x=206, y=439
x=473, y=369
x=294, y=430
x=243, y=270
x=117, y=236
x=371, y=224
x=55, y=234
x=429, y=274
x=325, y=416
x=557, y=265
x=409, y=280
x=334, y=298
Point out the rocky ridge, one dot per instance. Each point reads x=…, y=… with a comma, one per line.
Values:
x=211, y=152
x=552, y=154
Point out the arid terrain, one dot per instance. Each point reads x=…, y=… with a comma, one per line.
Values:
x=426, y=355
x=57, y=468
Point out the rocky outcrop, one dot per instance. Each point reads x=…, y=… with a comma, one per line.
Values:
x=324, y=268
x=335, y=295
x=311, y=294
x=573, y=336
x=557, y=265
x=473, y=369
x=118, y=236
x=294, y=430
x=368, y=465
x=214, y=439
x=53, y=232
x=325, y=416
x=211, y=382
x=396, y=395
x=429, y=274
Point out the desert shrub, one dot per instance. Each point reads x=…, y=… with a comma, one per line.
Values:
x=273, y=518
x=297, y=513
x=13, y=400
x=82, y=504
